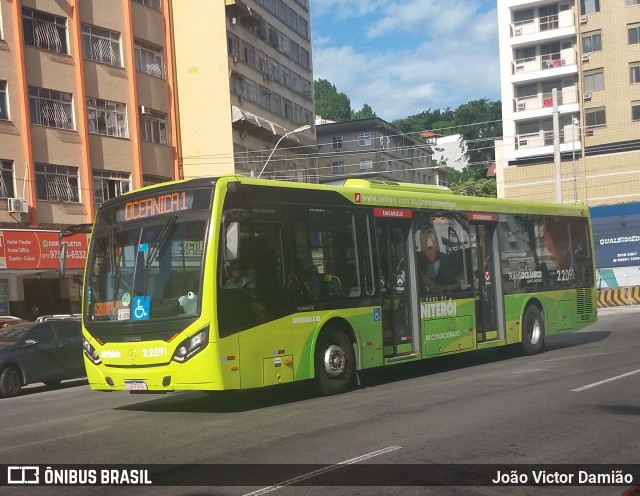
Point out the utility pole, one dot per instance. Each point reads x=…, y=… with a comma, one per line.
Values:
x=556, y=145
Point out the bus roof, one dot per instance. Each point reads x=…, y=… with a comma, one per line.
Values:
x=397, y=195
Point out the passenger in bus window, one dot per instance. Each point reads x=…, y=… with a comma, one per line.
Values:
x=309, y=277
x=434, y=268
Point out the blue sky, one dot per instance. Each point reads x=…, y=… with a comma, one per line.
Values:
x=405, y=56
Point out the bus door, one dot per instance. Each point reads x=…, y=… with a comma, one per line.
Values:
x=486, y=261
x=395, y=260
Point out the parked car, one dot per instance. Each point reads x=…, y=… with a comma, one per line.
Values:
x=48, y=351
x=58, y=316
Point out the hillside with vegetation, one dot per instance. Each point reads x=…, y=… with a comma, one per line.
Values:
x=479, y=122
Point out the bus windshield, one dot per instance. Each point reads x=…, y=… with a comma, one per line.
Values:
x=147, y=269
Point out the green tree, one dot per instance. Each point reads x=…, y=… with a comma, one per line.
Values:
x=480, y=123
x=366, y=112
x=330, y=104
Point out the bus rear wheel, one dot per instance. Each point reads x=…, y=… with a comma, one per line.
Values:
x=532, y=331
x=335, y=363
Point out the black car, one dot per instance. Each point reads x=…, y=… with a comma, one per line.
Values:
x=48, y=352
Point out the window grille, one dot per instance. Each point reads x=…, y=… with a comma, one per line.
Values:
x=57, y=183
x=50, y=108
x=45, y=31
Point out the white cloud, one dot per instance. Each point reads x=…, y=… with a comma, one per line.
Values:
x=430, y=54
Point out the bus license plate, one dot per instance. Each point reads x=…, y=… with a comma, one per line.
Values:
x=135, y=385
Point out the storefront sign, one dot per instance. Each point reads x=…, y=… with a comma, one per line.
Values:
x=40, y=250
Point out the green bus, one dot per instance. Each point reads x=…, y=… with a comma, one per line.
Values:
x=232, y=283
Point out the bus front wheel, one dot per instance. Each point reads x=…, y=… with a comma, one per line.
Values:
x=335, y=362
x=532, y=330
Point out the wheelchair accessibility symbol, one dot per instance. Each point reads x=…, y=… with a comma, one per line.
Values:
x=377, y=314
x=140, y=308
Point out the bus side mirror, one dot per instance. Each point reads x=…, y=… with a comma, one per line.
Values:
x=233, y=241
x=63, y=259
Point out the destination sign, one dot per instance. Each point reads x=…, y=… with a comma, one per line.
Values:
x=162, y=203
x=165, y=203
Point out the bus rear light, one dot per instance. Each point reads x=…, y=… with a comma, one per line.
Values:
x=191, y=346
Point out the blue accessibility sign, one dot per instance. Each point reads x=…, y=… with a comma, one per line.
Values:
x=140, y=308
x=377, y=314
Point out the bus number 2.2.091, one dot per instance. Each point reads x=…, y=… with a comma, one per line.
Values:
x=153, y=352
x=566, y=275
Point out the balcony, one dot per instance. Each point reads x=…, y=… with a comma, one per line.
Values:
x=545, y=66
x=566, y=96
x=541, y=142
x=542, y=24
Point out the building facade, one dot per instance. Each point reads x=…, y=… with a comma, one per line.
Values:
x=86, y=114
x=589, y=52
x=374, y=149
x=101, y=97
x=251, y=60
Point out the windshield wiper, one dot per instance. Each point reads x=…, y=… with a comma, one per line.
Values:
x=162, y=242
x=111, y=248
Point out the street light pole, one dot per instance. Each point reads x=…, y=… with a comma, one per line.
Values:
x=574, y=124
x=297, y=130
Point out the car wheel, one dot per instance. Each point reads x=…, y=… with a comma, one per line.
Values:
x=52, y=382
x=10, y=382
x=532, y=330
x=335, y=362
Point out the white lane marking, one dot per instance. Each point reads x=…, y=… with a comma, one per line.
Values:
x=52, y=439
x=310, y=475
x=606, y=380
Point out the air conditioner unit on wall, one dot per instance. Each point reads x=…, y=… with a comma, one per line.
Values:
x=18, y=205
x=517, y=31
x=584, y=19
x=522, y=105
x=585, y=57
x=586, y=97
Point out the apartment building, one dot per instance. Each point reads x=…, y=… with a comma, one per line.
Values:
x=589, y=52
x=86, y=114
x=251, y=63
x=101, y=97
x=374, y=149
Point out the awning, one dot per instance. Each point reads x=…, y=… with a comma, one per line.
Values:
x=244, y=10
x=241, y=115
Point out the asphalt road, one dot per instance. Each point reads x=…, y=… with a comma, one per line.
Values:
x=577, y=403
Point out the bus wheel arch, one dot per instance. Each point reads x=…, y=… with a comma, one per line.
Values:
x=335, y=358
x=533, y=328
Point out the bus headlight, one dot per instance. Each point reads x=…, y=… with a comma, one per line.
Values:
x=90, y=352
x=191, y=346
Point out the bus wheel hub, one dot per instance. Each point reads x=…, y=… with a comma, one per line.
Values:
x=334, y=361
